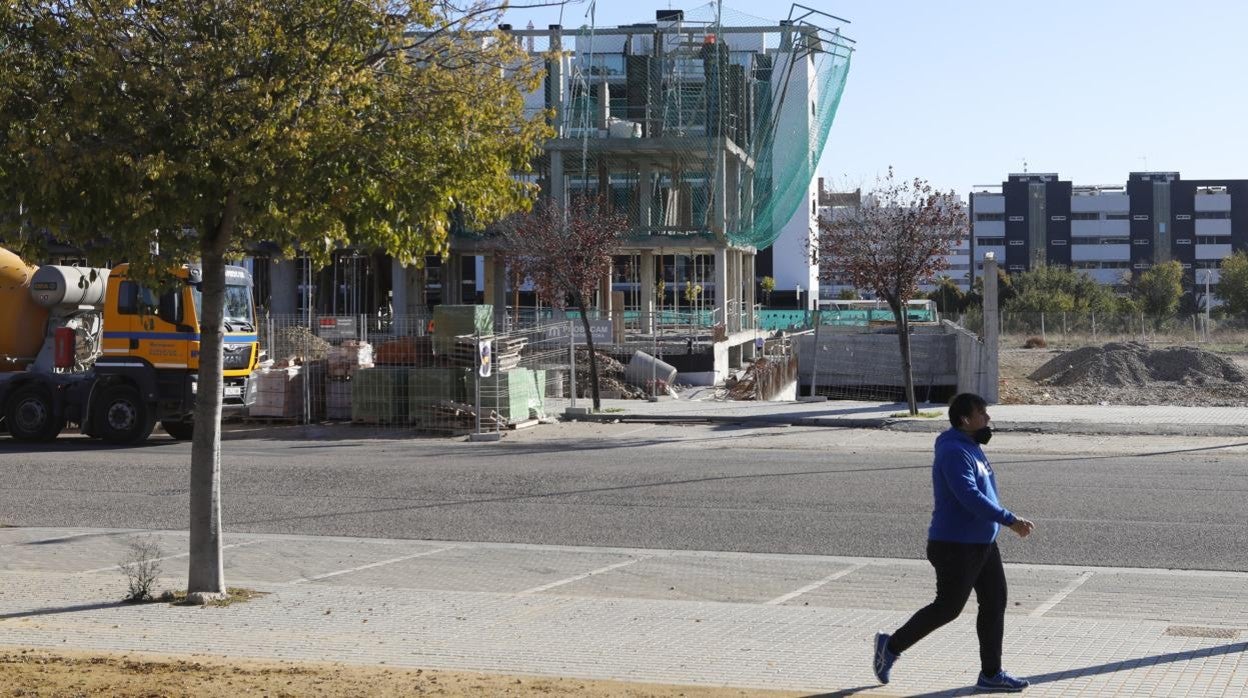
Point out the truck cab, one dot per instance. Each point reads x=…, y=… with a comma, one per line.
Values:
x=151, y=341
x=117, y=357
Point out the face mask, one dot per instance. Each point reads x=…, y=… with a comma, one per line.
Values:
x=982, y=436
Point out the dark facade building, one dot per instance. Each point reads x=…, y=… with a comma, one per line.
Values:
x=1111, y=230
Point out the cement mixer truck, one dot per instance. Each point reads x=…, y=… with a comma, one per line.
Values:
x=91, y=347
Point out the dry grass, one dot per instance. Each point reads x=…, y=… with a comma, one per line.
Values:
x=37, y=672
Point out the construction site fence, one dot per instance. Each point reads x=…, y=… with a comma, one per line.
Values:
x=407, y=374
x=1063, y=329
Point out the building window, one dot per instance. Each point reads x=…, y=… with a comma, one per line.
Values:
x=1100, y=241
x=1117, y=216
x=1085, y=216
x=1213, y=215
x=1213, y=240
x=989, y=217
x=992, y=242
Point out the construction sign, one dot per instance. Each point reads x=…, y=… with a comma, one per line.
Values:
x=484, y=349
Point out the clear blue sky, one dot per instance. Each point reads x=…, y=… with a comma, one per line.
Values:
x=960, y=93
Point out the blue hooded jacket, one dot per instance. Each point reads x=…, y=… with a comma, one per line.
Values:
x=965, y=491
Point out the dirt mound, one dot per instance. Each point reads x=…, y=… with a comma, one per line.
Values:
x=1133, y=364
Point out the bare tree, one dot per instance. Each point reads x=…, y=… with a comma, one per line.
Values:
x=898, y=238
x=566, y=252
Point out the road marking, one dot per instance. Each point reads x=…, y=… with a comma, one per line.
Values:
x=168, y=557
x=391, y=561
x=811, y=587
x=1061, y=595
x=579, y=577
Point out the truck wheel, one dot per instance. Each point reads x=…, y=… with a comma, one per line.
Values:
x=122, y=417
x=182, y=431
x=31, y=416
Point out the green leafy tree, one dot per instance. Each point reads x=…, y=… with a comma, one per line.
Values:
x=948, y=296
x=847, y=294
x=1056, y=289
x=768, y=286
x=1159, y=289
x=1005, y=290
x=1232, y=286
x=310, y=124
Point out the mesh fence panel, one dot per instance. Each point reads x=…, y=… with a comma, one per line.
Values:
x=406, y=374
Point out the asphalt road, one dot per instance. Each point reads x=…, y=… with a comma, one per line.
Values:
x=1163, y=502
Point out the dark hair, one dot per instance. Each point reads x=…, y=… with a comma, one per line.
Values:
x=964, y=405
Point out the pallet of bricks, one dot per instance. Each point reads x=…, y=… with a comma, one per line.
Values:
x=439, y=395
x=277, y=393
x=380, y=393
x=342, y=364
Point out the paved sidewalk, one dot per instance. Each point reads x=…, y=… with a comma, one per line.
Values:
x=742, y=620
x=1069, y=419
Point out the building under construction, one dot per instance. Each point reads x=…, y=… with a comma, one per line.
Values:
x=704, y=126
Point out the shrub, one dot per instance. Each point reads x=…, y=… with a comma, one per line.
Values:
x=141, y=567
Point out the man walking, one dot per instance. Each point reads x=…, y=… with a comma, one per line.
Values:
x=962, y=547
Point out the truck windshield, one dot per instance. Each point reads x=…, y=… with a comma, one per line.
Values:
x=239, y=311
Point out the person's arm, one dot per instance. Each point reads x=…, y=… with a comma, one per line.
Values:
x=958, y=468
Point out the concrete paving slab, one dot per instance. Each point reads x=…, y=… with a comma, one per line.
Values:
x=749, y=580
x=486, y=569
x=606, y=625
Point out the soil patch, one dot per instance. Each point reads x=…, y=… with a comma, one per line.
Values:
x=27, y=672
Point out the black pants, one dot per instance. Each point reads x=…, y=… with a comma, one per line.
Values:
x=961, y=567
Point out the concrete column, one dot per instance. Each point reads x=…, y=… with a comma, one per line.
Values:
x=645, y=196
x=496, y=269
x=751, y=287
x=732, y=194
x=604, y=104
x=747, y=200
x=989, y=384
x=737, y=262
x=719, y=209
x=487, y=289
x=554, y=69
x=398, y=296
x=604, y=297
x=283, y=287
x=558, y=185
x=646, y=284
x=721, y=285
x=452, y=277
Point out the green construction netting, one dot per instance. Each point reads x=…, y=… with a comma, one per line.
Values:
x=771, y=90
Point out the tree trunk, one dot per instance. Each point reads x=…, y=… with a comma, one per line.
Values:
x=206, y=574
x=903, y=338
x=593, y=356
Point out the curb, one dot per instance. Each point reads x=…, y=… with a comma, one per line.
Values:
x=932, y=425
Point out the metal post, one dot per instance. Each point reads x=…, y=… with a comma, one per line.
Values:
x=654, y=376
x=476, y=381
x=814, y=365
x=494, y=370
x=572, y=361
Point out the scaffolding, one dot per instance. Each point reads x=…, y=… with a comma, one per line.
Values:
x=705, y=128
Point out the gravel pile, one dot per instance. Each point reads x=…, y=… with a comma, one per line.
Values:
x=297, y=343
x=1121, y=364
x=1126, y=374
x=610, y=377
